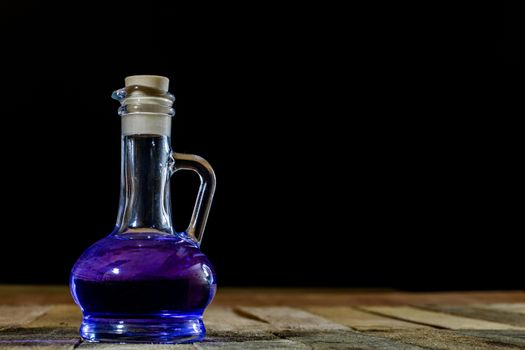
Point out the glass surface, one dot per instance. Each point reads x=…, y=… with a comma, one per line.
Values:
x=145, y=282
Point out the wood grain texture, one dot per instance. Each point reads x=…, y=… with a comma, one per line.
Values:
x=317, y=332
x=226, y=319
x=361, y=320
x=58, y=316
x=14, y=316
x=287, y=318
x=345, y=339
x=472, y=311
x=45, y=318
x=515, y=307
x=280, y=344
x=435, y=319
x=50, y=338
x=100, y=346
x=30, y=346
x=34, y=295
x=516, y=338
x=225, y=324
x=445, y=340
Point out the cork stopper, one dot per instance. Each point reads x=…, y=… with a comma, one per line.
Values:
x=152, y=81
x=142, y=114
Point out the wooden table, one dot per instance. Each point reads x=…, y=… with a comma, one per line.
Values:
x=36, y=317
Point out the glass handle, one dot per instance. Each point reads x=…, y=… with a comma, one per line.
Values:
x=204, y=199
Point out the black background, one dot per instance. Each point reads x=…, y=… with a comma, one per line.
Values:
x=341, y=160
x=514, y=29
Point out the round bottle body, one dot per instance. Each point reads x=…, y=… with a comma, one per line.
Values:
x=143, y=287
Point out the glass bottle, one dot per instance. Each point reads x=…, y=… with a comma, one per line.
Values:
x=145, y=282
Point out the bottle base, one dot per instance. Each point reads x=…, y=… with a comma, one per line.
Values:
x=138, y=330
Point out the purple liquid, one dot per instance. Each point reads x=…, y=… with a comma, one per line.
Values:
x=143, y=287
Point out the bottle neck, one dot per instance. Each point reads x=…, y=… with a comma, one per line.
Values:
x=145, y=203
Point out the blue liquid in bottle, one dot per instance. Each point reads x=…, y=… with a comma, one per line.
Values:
x=143, y=289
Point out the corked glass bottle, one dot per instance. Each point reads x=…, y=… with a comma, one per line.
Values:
x=145, y=282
